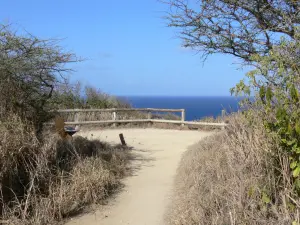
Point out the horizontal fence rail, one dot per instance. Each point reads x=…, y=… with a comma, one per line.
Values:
x=190, y=123
x=145, y=121
x=120, y=110
x=149, y=119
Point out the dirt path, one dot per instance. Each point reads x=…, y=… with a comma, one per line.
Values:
x=146, y=193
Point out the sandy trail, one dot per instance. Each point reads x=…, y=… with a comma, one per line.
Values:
x=146, y=194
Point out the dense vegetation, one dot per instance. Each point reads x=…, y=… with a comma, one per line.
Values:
x=234, y=177
x=44, y=179
x=264, y=35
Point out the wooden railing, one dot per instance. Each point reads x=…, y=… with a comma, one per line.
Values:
x=149, y=111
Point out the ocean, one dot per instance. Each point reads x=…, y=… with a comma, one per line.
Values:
x=196, y=107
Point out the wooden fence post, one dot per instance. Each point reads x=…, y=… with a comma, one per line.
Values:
x=149, y=117
x=223, y=116
x=122, y=139
x=182, y=117
x=223, y=113
x=76, y=119
x=114, y=117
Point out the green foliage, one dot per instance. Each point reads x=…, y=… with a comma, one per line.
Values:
x=277, y=84
x=69, y=96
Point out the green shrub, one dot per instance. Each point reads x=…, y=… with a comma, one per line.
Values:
x=277, y=84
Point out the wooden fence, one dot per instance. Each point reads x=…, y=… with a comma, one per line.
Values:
x=149, y=111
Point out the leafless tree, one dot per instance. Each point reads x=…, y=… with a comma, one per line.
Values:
x=237, y=27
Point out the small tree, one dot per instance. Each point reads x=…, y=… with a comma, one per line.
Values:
x=30, y=69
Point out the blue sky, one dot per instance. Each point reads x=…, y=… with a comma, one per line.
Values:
x=128, y=48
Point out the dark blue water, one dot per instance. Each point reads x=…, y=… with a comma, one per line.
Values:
x=196, y=107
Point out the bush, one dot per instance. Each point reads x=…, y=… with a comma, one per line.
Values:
x=239, y=176
x=42, y=183
x=69, y=96
x=30, y=68
x=276, y=82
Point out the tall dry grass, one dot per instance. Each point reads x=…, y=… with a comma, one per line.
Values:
x=43, y=183
x=238, y=176
x=121, y=115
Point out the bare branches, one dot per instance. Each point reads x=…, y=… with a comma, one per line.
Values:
x=30, y=68
x=237, y=27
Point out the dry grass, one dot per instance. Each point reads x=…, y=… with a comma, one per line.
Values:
x=43, y=183
x=236, y=177
x=125, y=115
